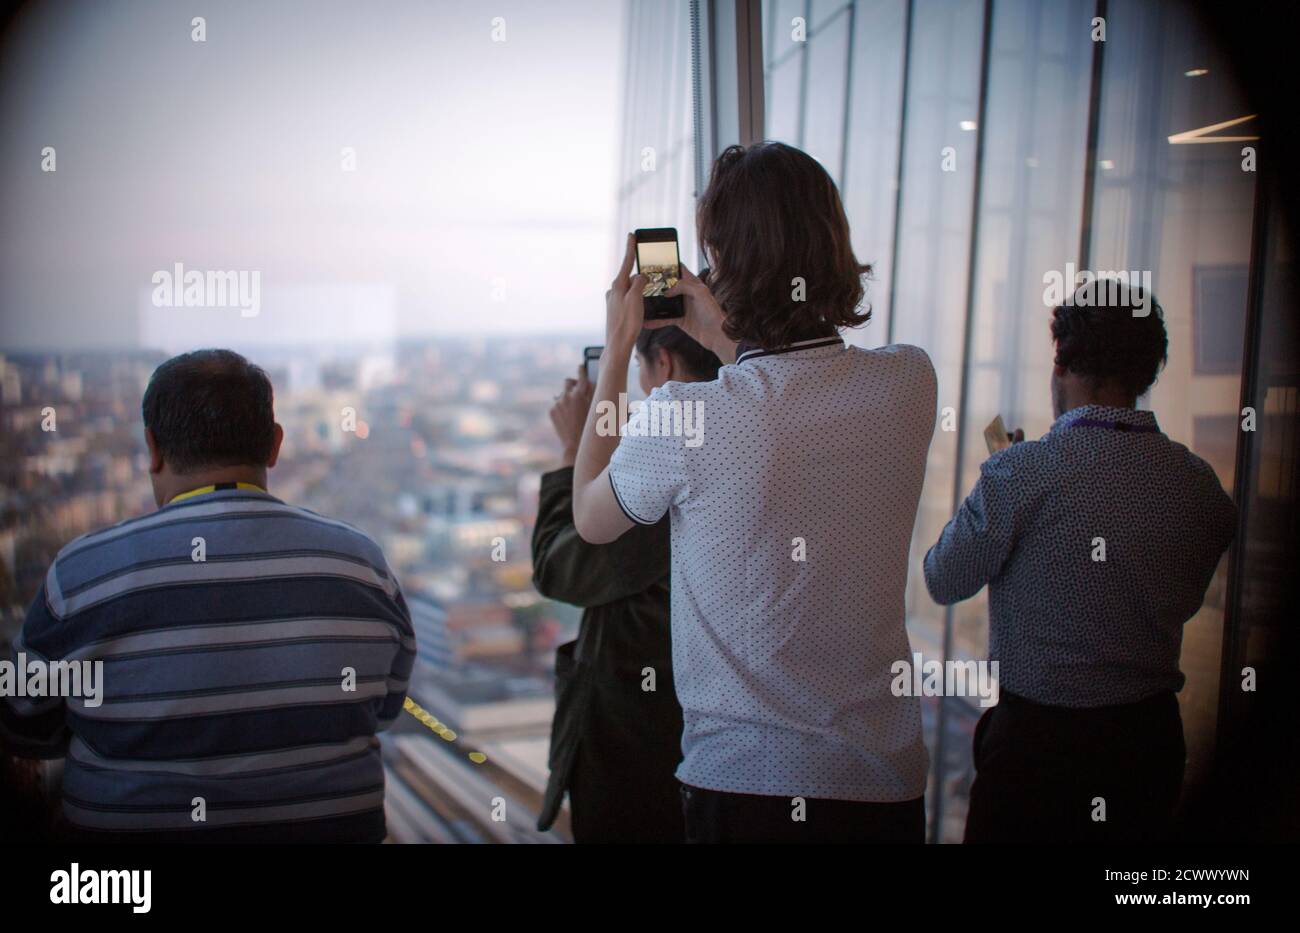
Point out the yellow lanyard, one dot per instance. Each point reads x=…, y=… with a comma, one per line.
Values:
x=213, y=488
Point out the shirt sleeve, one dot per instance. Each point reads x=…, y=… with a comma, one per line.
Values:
x=975, y=545
x=648, y=469
x=399, y=676
x=35, y=727
x=570, y=570
x=1217, y=510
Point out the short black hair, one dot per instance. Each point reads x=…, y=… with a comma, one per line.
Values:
x=210, y=408
x=1106, y=343
x=700, y=362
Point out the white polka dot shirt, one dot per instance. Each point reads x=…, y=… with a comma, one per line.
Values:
x=791, y=524
x=1097, y=543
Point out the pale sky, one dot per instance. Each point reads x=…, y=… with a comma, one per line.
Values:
x=482, y=200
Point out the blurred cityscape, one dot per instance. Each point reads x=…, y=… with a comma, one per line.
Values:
x=433, y=448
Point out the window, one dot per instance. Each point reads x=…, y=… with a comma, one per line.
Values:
x=838, y=96
x=1183, y=212
x=1031, y=199
x=912, y=156
x=425, y=196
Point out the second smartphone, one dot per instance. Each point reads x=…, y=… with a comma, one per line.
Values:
x=591, y=362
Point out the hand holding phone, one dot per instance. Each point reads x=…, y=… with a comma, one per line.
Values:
x=624, y=305
x=704, y=319
x=996, y=436
x=569, y=413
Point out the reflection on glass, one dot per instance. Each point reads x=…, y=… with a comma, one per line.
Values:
x=1182, y=212
x=1265, y=614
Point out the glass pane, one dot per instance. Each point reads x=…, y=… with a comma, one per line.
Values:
x=429, y=213
x=934, y=234
x=805, y=63
x=1031, y=197
x=958, y=768
x=933, y=251
x=657, y=166
x=869, y=178
x=850, y=68
x=822, y=134
x=783, y=62
x=1181, y=212
x=1254, y=739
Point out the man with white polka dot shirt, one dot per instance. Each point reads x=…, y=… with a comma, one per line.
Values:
x=791, y=519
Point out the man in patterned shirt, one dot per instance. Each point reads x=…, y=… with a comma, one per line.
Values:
x=1097, y=543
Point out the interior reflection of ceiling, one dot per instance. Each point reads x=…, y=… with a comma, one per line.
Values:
x=1201, y=135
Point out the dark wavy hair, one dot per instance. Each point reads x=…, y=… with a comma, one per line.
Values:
x=771, y=215
x=700, y=362
x=1107, y=344
x=210, y=408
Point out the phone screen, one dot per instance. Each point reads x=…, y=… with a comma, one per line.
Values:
x=658, y=260
x=995, y=436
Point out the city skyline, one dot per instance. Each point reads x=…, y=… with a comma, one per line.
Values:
x=431, y=450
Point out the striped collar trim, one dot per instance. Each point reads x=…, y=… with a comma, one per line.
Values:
x=215, y=487
x=751, y=352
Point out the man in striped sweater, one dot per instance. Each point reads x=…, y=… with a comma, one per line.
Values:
x=250, y=649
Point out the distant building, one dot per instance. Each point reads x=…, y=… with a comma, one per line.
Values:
x=433, y=648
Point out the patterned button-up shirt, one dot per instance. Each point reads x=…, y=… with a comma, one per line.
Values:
x=1097, y=543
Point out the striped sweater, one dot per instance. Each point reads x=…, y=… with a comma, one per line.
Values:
x=241, y=692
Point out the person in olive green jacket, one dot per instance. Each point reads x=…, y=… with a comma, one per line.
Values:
x=616, y=738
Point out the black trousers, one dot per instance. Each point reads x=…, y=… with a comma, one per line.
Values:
x=718, y=817
x=632, y=800
x=1046, y=774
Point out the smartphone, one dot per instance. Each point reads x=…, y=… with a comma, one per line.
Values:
x=658, y=260
x=995, y=436
x=591, y=362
